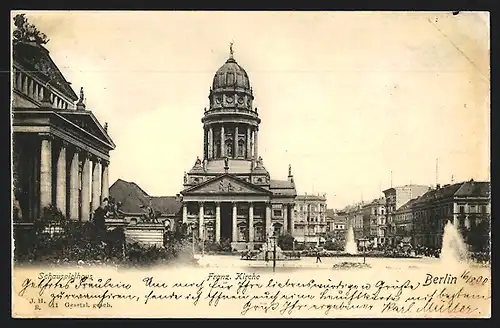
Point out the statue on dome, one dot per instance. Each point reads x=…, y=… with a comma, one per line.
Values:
x=226, y=162
x=198, y=161
x=185, y=177
x=81, y=101
x=289, y=170
x=259, y=161
x=231, y=52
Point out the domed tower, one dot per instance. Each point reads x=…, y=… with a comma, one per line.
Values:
x=230, y=130
x=231, y=123
x=228, y=194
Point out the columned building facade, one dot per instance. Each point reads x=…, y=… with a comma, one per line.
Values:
x=229, y=195
x=60, y=150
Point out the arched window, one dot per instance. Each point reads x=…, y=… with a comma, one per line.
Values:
x=229, y=148
x=217, y=149
x=241, y=148
x=277, y=229
x=242, y=231
x=259, y=234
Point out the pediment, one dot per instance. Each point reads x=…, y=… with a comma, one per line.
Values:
x=36, y=59
x=87, y=122
x=226, y=184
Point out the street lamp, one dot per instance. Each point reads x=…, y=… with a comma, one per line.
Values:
x=274, y=238
x=202, y=240
x=192, y=237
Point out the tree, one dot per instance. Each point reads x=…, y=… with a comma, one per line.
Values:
x=285, y=241
x=478, y=236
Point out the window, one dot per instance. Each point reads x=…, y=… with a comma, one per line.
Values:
x=259, y=211
x=241, y=148
x=242, y=209
x=209, y=210
x=483, y=209
x=462, y=209
x=277, y=213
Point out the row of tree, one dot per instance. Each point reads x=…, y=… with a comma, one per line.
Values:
x=54, y=239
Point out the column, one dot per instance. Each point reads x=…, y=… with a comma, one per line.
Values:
x=249, y=142
x=235, y=223
x=210, y=142
x=205, y=142
x=285, y=218
x=292, y=220
x=250, y=223
x=46, y=171
x=217, y=222
x=222, y=143
x=184, y=213
x=268, y=218
x=36, y=93
x=201, y=223
x=95, y=184
x=256, y=143
x=104, y=180
x=19, y=81
x=31, y=90
x=235, y=147
x=61, y=179
x=74, y=186
x=87, y=166
x=25, y=84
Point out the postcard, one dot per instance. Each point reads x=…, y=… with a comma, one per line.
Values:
x=170, y=164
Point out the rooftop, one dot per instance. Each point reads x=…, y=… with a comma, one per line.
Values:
x=133, y=199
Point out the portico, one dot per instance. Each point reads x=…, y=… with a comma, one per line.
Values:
x=61, y=158
x=241, y=215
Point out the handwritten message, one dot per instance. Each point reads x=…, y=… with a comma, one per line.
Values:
x=243, y=294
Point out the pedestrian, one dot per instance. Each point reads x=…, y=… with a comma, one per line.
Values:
x=318, y=256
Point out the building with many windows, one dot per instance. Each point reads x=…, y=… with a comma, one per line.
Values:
x=395, y=198
x=465, y=204
x=374, y=221
x=355, y=219
x=310, y=219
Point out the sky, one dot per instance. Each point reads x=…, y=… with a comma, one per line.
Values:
x=345, y=98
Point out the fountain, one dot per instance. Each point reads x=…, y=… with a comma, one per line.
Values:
x=453, y=249
x=350, y=246
x=267, y=251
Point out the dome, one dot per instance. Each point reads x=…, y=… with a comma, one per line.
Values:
x=231, y=75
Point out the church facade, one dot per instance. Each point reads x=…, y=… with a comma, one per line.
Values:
x=229, y=195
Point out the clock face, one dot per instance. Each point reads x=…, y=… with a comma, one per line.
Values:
x=229, y=99
x=241, y=99
x=218, y=99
